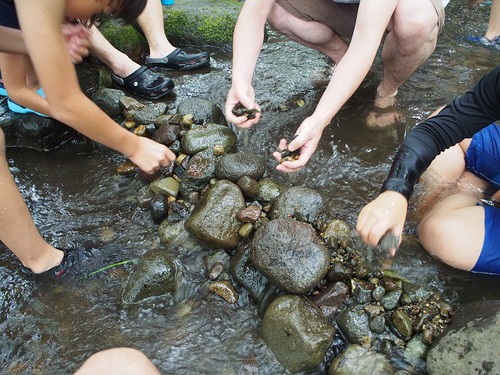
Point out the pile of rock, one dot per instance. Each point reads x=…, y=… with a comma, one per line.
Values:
x=307, y=273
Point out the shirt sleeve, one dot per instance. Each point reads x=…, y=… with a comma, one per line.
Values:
x=462, y=118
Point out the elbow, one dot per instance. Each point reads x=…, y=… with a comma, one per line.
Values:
x=64, y=109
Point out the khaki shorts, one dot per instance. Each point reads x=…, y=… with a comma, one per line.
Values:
x=340, y=17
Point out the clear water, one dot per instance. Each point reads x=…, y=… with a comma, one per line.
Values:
x=77, y=199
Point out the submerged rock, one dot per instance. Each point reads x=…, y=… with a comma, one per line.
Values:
x=234, y=166
x=297, y=333
x=153, y=276
x=290, y=254
x=359, y=360
x=214, y=220
x=208, y=136
x=199, y=171
x=203, y=111
x=299, y=202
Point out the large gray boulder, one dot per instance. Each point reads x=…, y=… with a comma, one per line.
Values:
x=297, y=333
x=471, y=344
x=290, y=254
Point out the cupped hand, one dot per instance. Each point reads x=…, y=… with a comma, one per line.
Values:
x=77, y=38
x=386, y=213
x=245, y=95
x=306, y=139
x=150, y=156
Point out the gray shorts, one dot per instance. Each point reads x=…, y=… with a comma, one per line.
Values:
x=340, y=17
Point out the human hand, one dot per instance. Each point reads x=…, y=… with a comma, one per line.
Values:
x=246, y=97
x=150, y=156
x=386, y=213
x=306, y=139
x=77, y=38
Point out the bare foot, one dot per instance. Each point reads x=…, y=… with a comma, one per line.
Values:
x=381, y=120
x=384, y=112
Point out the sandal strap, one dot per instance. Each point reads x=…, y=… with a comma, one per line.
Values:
x=164, y=59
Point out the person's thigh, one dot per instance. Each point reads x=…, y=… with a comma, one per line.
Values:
x=454, y=230
x=341, y=18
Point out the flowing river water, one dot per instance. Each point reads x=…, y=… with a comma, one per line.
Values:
x=77, y=199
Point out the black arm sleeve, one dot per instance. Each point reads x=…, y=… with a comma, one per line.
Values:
x=462, y=118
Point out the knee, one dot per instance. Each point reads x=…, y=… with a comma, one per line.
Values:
x=413, y=29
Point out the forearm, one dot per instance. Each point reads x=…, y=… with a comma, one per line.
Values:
x=11, y=40
x=80, y=113
x=248, y=39
x=58, y=78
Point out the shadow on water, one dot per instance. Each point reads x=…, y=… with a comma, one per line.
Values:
x=76, y=198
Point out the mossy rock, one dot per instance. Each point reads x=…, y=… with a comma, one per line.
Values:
x=200, y=22
x=187, y=22
x=123, y=37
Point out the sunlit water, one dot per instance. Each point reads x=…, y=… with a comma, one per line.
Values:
x=78, y=200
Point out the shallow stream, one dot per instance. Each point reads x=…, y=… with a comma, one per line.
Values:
x=77, y=198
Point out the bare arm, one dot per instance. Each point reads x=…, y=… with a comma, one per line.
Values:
x=14, y=72
x=11, y=40
x=247, y=43
x=41, y=24
x=371, y=23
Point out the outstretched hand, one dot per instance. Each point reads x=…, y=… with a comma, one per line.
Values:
x=386, y=213
x=306, y=140
x=245, y=95
x=150, y=156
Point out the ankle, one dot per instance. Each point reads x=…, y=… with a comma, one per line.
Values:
x=49, y=260
x=161, y=51
x=385, y=100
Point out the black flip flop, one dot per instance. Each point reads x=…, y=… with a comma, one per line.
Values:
x=179, y=60
x=144, y=83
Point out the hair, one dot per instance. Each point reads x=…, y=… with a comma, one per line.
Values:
x=128, y=10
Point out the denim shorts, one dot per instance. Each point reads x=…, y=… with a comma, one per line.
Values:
x=489, y=259
x=483, y=159
x=483, y=155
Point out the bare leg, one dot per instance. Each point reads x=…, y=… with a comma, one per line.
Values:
x=310, y=34
x=117, y=61
x=411, y=38
x=118, y=361
x=17, y=230
x=440, y=179
x=151, y=24
x=452, y=228
x=454, y=231
x=493, y=30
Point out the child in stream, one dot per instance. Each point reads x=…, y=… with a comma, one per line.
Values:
x=408, y=30
x=25, y=96
x=41, y=23
x=463, y=229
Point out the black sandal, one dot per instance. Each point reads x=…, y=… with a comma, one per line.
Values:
x=179, y=60
x=144, y=83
